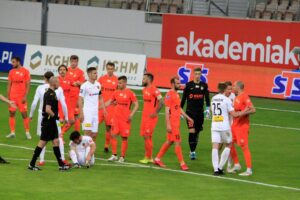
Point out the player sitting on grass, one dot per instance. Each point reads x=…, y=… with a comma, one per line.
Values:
x=82, y=149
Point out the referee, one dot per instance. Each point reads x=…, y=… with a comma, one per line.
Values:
x=49, y=127
x=194, y=93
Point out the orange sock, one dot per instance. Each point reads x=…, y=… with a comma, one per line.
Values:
x=234, y=154
x=124, y=147
x=114, y=143
x=26, y=122
x=163, y=150
x=77, y=125
x=247, y=156
x=12, y=124
x=178, y=152
x=65, y=128
x=148, y=148
x=107, y=139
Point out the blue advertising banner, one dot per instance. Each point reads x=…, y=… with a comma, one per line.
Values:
x=9, y=50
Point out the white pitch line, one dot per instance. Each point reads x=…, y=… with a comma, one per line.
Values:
x=278, y=127
x=186, y=172
x=278, y=110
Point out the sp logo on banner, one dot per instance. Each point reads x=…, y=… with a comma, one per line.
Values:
x=185, y=72
x=287, y=85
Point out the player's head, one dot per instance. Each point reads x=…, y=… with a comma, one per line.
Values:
x=122, y=81
x=47, y=76
x=75, y=137
x=16, y=62
x=62, y=70
x=238, y=86
x=92, y=73
x=175, y=83
x=147, y=79
x=222, y=87
x=53, y=82
x=228, y=90
x=74, y=61
x=197, y=74
x=110, y=68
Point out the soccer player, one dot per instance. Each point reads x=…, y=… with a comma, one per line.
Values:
x=17, y=91
x=76, y=76
x=194, y=93
x=65, y=83
x=153, y=102
x=109, y=84
x=49, y=127
x=39, y=96
x=173, y=113
x=12, y=104
x=82, y=149
x=123, y=98
x=89, y=98
x=240, y=129
x=220, y=127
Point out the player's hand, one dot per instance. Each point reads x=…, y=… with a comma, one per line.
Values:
x=129, y=118
x=207, y=114
x=87, y=164
x=81, y=117
x=169, y=129
x=190, y=121
x=24, y=99
x=12, y=104
x=153, y=115
x=30, y=118
x=104, y=112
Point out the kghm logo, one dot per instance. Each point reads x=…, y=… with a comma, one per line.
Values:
x=93, y=62
x=36, y=60
x=185, y=72
x=287, y=85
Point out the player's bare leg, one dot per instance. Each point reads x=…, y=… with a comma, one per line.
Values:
x=12, y=124
x=26, y=122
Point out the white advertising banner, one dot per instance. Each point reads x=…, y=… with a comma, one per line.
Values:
x=39, y=59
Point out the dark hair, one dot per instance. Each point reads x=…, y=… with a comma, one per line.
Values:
x=74, y=57
x=90, y=69
x=198, y=69
x=74, y=135
x=110, y=64
x=18, y=59
x=124, y=78
x=150, y=76
x=63, y=66
x=172, y=81
x=228, y=83
x=222, y=87
x=48, y=75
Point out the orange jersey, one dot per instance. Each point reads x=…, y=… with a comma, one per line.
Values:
x=18, y=78
x=150, y=95
x=240, y=103
x=108, y=86
x=124, y=99
x=172, y=100
x=65, y=83
x=75, y=75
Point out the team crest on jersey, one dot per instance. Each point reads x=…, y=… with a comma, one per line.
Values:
x=114, y=83
x=108, y=80
x=202, y=88
x=168, y=97
x=197, y=86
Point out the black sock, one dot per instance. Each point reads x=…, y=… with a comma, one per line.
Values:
x=35, y=156
x=58, y=156
x=193, y=141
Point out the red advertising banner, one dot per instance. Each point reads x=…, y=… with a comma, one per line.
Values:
x=231, y=41
x=259, y=81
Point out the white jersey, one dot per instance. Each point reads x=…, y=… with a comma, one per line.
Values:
x=85, y=142
x=90, y=93
x=221, y=106
x=39, y=96
x=232, y=97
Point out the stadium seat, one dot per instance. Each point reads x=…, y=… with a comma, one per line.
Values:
x=289, y=16
x=267, y=15
x=134, y=5
x=279, y=15
x=124, y=4
x=99, y=3
x=115, y=3
x=257, y=14
x=272, y=6
x=283, y=6
x=173, y=8
x=260, y=7
x=143, y=5
x=154, y=5
x=294, y=7
x=163, y=7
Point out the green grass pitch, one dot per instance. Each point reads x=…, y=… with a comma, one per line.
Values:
x=274, y=144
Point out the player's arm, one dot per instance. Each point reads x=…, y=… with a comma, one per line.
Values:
x=50, y=112
x=4, y=99
x=186, y=116
x=184, y=96
x=8, y=88
x=102, y=104
x=91, y=152
x=80, y=106
x=250, y=109
x=134, y=109
x=167, y=115
x=34, y=103
x=159, y=106
x=207, y=101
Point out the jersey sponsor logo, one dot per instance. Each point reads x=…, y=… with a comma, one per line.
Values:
x=287, y=85
x=87, y=125
x=196, y=96
x=185, y=72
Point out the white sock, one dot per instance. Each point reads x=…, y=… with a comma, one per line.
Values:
x=73, y=156
x=249, y=170
x=224, y=157
x=230, y=162
x=42, y=155
x=215, y=159
x=61, y=148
